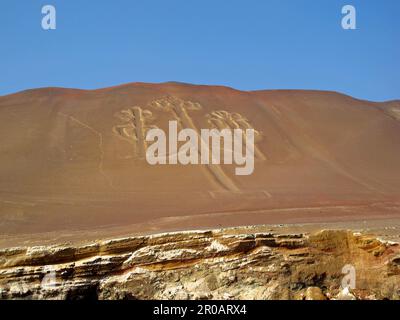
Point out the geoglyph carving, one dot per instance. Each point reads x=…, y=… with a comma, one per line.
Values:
x=137, y=121
x=395, y=112
x=134, y=127
x=225, y=120
x=180, y=111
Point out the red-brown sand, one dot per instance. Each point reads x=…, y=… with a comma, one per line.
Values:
x=70, y=162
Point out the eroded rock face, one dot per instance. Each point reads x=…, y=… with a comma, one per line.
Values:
x=219, y=264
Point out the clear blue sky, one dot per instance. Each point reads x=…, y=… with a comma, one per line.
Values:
x=247, y=44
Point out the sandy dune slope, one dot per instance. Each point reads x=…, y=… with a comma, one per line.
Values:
x=74, y=159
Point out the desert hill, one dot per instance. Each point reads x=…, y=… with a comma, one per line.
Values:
x=74, y=159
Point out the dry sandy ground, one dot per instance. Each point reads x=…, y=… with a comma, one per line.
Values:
x=385, y=229
x=72, y=162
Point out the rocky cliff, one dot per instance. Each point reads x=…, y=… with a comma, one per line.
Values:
x=221, y=264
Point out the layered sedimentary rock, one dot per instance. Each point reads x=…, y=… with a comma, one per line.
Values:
x=239, y=263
